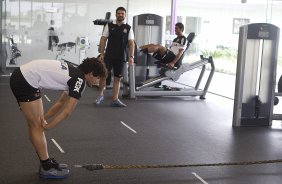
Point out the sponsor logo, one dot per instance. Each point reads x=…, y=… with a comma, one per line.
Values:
x=78, y=84
x=125, y=30
x=64, y=65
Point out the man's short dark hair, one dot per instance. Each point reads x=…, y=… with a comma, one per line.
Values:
x=180, y=25
x=121, y=8
x=93, y=65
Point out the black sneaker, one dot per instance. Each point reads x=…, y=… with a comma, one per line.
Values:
x=53, y=170
x=60, y=165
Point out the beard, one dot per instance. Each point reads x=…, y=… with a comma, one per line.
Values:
x=120, y=19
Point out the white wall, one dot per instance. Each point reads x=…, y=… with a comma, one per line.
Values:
x=217, y=19
x=74, y=18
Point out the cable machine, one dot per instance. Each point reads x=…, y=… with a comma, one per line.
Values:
x=256, y=75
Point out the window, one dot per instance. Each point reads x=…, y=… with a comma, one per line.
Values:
x=193, y=24
x=237, y=23
x=167, y=25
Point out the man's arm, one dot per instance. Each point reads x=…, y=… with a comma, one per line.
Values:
x=57, y=106
x=69, y=106
x=131, y=51
x=102, y=46
x=103, y=42
x=177, y=57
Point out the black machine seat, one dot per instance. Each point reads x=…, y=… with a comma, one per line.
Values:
x=67, y=44
x=190, y=39
x=64, y=46
x=61, y=48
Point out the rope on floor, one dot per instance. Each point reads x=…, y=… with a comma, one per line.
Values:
x=92, y=167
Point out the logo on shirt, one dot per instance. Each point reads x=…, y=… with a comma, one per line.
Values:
x=78, y=84
x=125, y=30
x=64, y=65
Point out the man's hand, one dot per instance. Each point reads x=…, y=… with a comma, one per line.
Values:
x=44, y=123
x=170, y=65
x=102, y=58
x=131, y=60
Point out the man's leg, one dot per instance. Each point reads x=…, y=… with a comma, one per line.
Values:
x=32, y=112
x=118, y=68
x=154, y=48
x=109, y=79
x=116, y=88
x=102, y=85
x=115, y=101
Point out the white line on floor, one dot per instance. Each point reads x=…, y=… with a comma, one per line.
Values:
x=128, y=127
x=58, y=146
x=48, y=99
x=199, y=177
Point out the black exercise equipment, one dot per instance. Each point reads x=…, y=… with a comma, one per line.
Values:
x=105, y=21
x=53, y=38
x=62, y=48
x=132, y=90
x=95, y=167
x=15, y=52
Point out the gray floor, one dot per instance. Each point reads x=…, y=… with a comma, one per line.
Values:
x=169, y=130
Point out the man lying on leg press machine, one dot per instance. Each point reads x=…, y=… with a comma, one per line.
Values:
x=170, y=61
x=169, y=56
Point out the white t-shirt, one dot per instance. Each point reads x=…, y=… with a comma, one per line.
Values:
x=54, y=75
x=177, y=44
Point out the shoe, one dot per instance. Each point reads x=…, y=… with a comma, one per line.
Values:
x=51, y=170
x=99, y=100
x=60, y=165
x=158, y=85
x=117, y=103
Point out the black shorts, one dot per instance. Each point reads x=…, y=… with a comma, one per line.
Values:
x=116, y=65
x=21, y=89
x=166, y=58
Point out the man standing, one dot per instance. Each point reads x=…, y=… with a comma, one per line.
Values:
x=120, y=37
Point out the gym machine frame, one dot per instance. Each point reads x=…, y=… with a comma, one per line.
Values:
x=256, y=75
x=132, y=91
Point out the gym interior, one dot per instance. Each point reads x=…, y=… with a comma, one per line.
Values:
x=216, y=119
